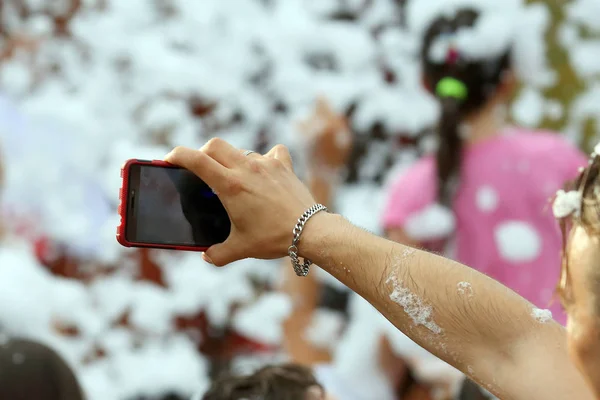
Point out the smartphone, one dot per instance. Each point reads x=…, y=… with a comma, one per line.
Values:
x=163, y=206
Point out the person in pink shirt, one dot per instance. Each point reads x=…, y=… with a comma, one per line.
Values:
x=488, y=186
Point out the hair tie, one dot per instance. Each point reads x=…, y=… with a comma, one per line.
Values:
x=452, y=56
x=451, y=87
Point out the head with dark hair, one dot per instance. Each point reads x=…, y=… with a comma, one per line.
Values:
x=284, y=382
x=463, y=84
x=30, y=370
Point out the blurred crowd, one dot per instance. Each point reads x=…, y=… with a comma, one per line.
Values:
x=447, y=124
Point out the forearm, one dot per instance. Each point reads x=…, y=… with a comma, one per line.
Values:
x=456, y=313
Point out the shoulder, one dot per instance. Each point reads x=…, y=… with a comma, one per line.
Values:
x=548, y=150
x=540, y=143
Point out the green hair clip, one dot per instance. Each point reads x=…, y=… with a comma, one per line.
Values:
x=451, y=87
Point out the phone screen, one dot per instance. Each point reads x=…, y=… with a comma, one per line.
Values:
x=172, y=206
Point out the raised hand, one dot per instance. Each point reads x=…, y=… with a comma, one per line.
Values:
x=328, y=137
x=261, y=194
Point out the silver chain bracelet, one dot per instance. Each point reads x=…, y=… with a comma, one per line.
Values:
x=301, y=269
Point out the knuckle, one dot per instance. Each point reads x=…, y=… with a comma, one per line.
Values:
x=234, y=185
x=215, y=140
x=212, y=146
x=256, y=166
x=274, y=163
x=282, y=150
x=177, y=153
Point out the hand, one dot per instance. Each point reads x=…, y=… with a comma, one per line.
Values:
x=328, y=136
x=261, y=194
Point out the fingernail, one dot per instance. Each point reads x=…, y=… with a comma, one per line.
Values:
x=207, y=259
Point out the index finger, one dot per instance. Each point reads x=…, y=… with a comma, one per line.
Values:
x=201, y=164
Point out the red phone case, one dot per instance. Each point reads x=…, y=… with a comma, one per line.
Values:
x=122, y=210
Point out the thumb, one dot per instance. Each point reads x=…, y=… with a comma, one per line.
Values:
x=223, y=253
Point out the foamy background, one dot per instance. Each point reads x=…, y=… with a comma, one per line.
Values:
x=120, y=86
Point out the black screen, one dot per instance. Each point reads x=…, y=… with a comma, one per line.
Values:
x=172, y=206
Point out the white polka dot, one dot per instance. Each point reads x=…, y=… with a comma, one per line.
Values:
x=487, y=199
x=431, y=223
x=518, y=241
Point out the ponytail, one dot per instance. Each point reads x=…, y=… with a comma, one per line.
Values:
x=462, y=83
x=452, y=94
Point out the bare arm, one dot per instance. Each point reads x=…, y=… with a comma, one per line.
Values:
x=458, y=314
x=465, y=318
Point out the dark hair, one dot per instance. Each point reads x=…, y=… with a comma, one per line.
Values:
x=480, y=78
x=30, y=370
x=285, y=382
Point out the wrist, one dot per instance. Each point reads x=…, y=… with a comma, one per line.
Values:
x=330, y=241
x=319, y=233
